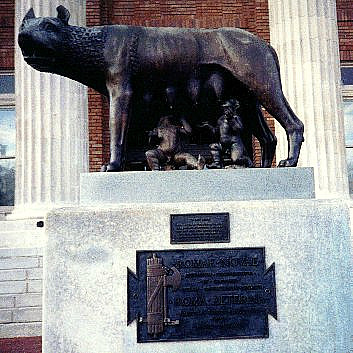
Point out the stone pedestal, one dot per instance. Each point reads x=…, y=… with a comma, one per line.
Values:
x=184, y=186
x=51, y=127
x=304, y=34
x=90, y=248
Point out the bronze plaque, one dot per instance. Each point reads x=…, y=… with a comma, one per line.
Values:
x=196, y=228
x=201, y=294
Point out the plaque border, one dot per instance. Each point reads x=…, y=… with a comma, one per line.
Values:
x=225, y=240
x=266, y=334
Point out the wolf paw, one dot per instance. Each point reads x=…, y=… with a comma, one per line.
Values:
x=290, y=162
x=111, y=167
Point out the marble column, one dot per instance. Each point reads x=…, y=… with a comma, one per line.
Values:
x=304, y=34
x=52, y=126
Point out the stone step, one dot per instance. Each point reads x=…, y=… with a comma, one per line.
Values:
x=21, y=234
x=19, y=225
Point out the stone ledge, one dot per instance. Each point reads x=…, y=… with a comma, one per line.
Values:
x=19, y=225
x=20, y=330
x=30, y=239
x=197, y=186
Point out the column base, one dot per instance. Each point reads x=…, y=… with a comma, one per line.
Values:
x=33, y=211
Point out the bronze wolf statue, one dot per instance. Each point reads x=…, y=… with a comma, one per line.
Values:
x=119, y=60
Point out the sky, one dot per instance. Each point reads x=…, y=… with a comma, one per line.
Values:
x=7, y=130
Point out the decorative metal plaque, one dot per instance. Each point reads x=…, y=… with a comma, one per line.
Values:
x=201, y=294
x=199, y=228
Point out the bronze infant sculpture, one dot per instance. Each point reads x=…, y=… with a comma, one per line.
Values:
x=202, y=99
x=228, y=133
x=169, y=153
x=119, y=61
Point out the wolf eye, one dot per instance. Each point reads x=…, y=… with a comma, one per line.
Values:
x=49, y=27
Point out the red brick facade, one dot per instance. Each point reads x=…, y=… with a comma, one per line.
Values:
x=7, y=23
x=98, y=109
x=21, y=345
x=250, y=15
x=345, y=29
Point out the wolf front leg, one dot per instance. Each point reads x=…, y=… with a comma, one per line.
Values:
x=119, y=118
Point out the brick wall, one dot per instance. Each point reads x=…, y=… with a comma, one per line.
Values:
x=7, y=34
x=250, y=15
x=345, y=29
x=21, y=345
x=20, y=292
x=97, y=14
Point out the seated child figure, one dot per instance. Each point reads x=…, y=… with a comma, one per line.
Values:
x=228, y=130
x=169, y=153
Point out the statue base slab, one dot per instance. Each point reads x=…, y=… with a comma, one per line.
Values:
x=197, y=185
x=90, y=248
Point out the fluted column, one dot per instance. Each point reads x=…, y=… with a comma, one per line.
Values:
x=304, y=34
x=51, y=125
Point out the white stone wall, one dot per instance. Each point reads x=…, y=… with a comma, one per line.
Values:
x=20, y=291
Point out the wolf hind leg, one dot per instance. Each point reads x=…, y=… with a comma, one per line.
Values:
x=119, y=116
x=266, y=138
x=279, y=108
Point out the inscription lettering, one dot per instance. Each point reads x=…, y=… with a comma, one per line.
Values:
x=202, y=294
x=190, y=301
x=199, y=228
x=213, y=263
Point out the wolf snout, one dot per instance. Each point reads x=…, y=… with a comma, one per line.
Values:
x=23, y=37
x=30, y=47
x=26, y=44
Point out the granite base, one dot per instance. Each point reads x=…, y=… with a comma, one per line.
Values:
x=89, y=250
x=197, y=185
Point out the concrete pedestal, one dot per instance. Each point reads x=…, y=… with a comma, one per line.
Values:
x=90, y=248
x=193, y=185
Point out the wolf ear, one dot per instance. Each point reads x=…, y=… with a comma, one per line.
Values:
x=63, y=14
x=29, y=15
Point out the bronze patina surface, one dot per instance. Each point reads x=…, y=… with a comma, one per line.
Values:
x=201, y=294
x=132, y=64
x=196, y=228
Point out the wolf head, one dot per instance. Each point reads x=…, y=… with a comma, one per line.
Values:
x=41, y=38
x=50, y=44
